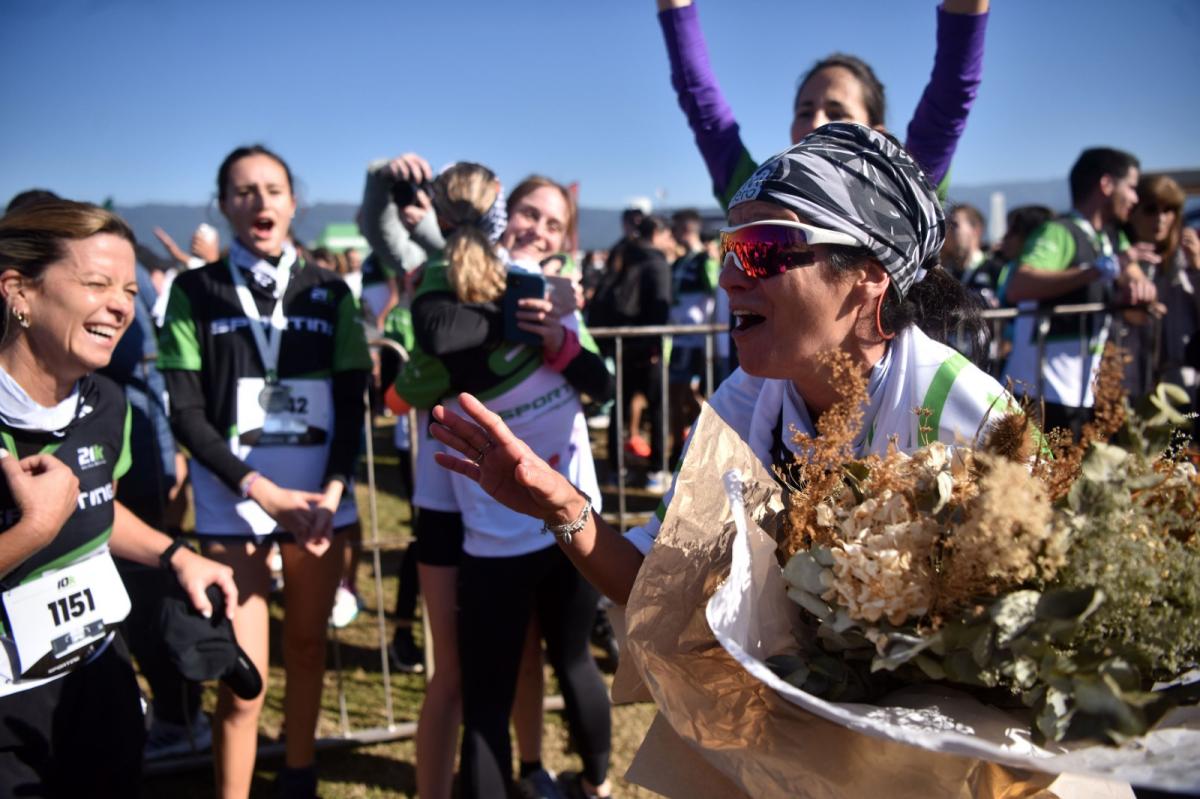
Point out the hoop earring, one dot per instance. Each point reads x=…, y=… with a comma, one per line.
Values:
x=879, y=321
x=21, y=318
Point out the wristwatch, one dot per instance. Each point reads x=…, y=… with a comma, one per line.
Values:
x=164, y=560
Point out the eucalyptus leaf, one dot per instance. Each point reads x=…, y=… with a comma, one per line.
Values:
x=1054, y=717
x=1024, y=671
x=784, y=665
x=932, y=669
x=1102, y=699
x=1068, y=606
x=1122, y=673
x=961, y=667
x=901, y=648
x=1012, y=614
x=823, y=556
x=811, y=603
x=841, y=621
x=803, y=572
x=981, y=648
x=945, y=489
x=1103, y=462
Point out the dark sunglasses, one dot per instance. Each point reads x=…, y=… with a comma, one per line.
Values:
x=772, y=247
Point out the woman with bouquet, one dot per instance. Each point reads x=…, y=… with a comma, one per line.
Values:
x=833, y=245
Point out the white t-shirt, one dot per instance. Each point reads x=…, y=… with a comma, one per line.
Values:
x=915, y=372
x=544, y=412
x=1067, y=374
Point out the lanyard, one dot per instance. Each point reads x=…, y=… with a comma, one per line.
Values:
x=267, y=344
x=1101, y=239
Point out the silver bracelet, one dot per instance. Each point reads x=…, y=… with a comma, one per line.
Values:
x=565, y=532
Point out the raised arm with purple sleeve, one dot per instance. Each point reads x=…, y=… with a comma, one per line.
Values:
x=933, y=134
x=708, y=115
x=941, y=115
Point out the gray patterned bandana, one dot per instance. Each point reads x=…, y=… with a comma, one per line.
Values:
x=850, y=178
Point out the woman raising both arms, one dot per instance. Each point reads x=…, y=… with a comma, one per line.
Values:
x=838, y=88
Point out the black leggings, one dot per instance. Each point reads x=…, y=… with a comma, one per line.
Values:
x=496, y=597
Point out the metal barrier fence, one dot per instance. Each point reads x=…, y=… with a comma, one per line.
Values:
x=395, y=730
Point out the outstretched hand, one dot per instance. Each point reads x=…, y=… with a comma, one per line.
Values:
x=508, y=470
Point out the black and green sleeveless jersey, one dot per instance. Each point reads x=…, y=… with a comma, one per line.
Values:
x=486, y=367
x=206, y=331
x=96, y=448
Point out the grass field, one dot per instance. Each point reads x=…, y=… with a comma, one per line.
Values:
x=385, y=769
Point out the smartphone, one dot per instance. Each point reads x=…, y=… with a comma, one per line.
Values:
x=562, y=291
x=520, y=285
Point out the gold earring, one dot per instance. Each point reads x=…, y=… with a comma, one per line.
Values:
x=21, y=318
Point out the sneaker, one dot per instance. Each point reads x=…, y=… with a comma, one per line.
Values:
x=658, y=482
x=166, y=739
x=404, y=654
x=638, y=446
x=275, y=564
x=275, y=559
x=345, y=607
x=570, y=786
x=541, y=784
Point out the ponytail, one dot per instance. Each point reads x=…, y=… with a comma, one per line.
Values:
x=475, y=272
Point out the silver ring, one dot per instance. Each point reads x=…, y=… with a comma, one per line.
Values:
x=478, y=459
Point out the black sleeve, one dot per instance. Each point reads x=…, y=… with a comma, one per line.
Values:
x=588, y=374
x=195, y=433
x=443, y=326
x=348, y=409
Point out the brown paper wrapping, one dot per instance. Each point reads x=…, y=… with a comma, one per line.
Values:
x=734, y=726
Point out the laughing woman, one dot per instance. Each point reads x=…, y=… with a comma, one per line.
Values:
x=72, y=719
x=266, y=364
x=833, y=245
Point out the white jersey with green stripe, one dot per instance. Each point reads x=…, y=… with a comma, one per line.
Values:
x=916, y=373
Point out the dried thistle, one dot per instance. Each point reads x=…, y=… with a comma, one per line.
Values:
x=1013, y=437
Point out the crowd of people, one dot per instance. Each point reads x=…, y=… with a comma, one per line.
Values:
x=244, y=373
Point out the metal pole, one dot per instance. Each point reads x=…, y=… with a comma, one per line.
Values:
x=1043, y=327
x=708, y=364
x=663, y=411
x=616, y=436
x=376, y=562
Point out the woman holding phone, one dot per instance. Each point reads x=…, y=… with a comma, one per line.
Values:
x=266, y=364
x=510, y=572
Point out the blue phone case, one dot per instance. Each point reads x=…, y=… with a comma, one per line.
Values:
x=518, y=286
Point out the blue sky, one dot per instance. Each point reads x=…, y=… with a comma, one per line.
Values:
x=140, y=99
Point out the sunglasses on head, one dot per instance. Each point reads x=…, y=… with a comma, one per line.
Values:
x=772, y=247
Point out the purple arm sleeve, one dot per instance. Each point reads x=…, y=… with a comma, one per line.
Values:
x=708, y=115
x=941, y=116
